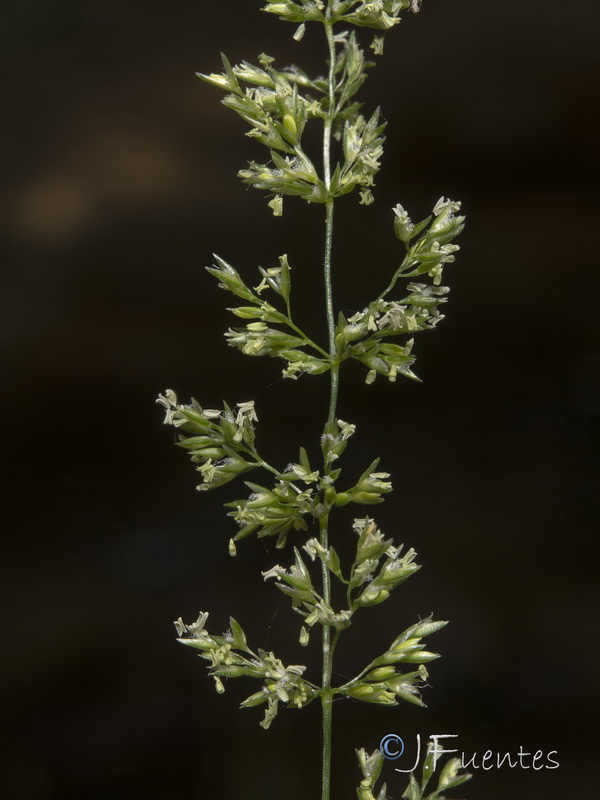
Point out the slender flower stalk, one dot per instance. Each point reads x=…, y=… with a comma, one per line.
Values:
x=278, y=104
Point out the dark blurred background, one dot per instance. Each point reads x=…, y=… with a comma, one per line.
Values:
x=119, y=180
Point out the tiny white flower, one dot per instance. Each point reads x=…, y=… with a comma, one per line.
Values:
x=254, y=345
x=359, y=524
x=436, y=274
x=197, y=627
x=366, y=197
x=400, y=212
x=274, y=572
x=394, y=317
x=276, y=205
x=442, y=204
x=168, y=399
x=313, y=547
x=208, y=470
x=371, y=322
x=377, y=45
x=299, y=32
x=346, y=429
x=296, y=669
x=402, y=224
x=246, y=411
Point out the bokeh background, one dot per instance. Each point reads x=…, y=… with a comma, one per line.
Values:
x=119, y=179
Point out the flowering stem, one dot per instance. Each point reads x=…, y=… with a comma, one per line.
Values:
x=329, y=224
x=328, y=645
x=397, y=274
x=301, y=333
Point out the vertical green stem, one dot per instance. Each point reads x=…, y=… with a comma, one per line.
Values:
x=335, y=367
x=327, y=645
x=326, y=696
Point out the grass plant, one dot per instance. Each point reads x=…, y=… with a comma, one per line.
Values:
x=296, y=504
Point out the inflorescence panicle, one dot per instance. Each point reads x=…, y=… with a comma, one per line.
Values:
x=293, y=504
